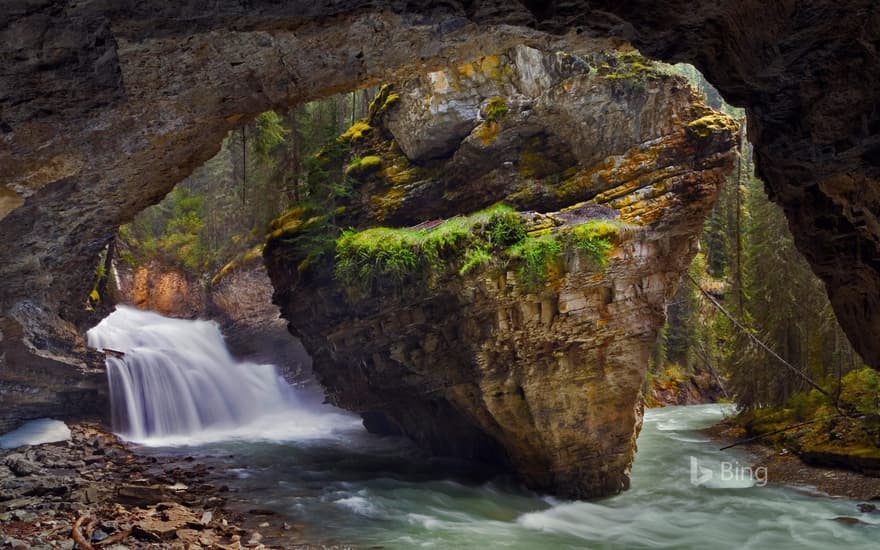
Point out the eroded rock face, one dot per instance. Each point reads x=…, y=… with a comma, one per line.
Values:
x=166, y=290
x=105, y=105
x=484, y=365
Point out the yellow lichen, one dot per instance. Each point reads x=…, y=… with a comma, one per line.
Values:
x=491, y=66
x=466, y=71
x=712, y=124
x=358, y=131
x=495, y=108
x=247, y=258
x=363, y=166
x=390, y=202
x=488, y=131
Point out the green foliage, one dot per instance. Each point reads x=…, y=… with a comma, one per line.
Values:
x=495, y=109
x=860, y=389
x=173, y=236
x=383, y=257
x=595, y=239
x=537, y=256
x=270, y=133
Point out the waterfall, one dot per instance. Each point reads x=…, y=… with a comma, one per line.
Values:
x=177, y=378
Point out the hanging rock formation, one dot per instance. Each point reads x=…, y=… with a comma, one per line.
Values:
x=104, y=106
x=528, y=350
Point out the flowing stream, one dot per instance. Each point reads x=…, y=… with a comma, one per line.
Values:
x=317, y=467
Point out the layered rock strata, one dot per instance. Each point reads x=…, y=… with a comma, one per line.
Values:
x=468, y=354
x=104, y=106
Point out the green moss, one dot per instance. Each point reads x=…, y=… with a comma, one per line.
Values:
x=384, y=258
x=595, y=238
x=495, y=109
x=712, y=124
x=247, y=258
x=357, y=132
x=474, y=259
x=360, y=167
x=538, y=258
x=860, y=389
x=384, y=99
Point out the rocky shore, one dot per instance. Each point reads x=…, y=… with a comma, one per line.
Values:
x=786, y=468
x=94, y=492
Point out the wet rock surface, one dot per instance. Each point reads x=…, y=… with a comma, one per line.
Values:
x=116, y=498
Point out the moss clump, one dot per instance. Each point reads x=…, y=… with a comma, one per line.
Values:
x=712, y=124
x=848, y=428
x=360, y=167
x=596, y=239
x=308, y=233
x=357, y=132
x=381, y=102
x=538, y=257
x=247, y=258
x=386, y=258
x=488, y=131
x=495, y=109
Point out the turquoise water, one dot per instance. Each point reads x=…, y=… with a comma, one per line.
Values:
x=347, y=486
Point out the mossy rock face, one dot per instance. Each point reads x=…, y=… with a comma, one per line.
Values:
x=357, y=132
x=360, y=167
x=411, y=309
x=383, y=258
x=495, y=109
x=711, y=125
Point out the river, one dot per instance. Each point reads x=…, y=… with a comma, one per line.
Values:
x=316, y=467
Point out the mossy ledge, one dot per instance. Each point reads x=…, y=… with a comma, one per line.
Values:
x=498, y=238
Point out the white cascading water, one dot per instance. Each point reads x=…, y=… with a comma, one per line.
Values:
x=177, y=378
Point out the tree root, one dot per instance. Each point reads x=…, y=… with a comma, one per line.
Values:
x=77, y=536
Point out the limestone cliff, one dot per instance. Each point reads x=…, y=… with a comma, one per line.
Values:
x=517, y=339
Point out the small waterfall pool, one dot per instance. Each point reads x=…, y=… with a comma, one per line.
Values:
x=317, y=467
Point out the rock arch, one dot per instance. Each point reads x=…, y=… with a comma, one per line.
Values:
x=105, y=105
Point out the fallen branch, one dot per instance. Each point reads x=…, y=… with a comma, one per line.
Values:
x=774, y=432
x=757, y=341
x=77, y=536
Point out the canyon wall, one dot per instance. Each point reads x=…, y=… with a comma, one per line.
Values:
x=539, y=371
x=104, y=106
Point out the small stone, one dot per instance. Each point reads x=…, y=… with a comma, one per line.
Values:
x=206, y=518
x=264, y=524
x=846, y=520
x=24, y=515
x=866, y=508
